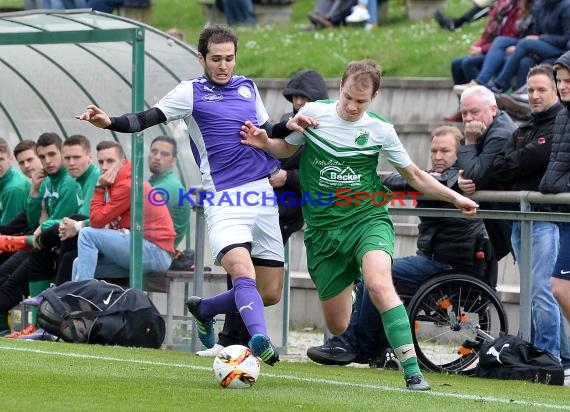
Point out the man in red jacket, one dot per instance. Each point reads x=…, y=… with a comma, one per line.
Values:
x=104, y=248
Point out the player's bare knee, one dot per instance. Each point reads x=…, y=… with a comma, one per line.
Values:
x=380, y=289
x=271, y=298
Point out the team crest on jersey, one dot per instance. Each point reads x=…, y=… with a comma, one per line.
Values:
x=362, y=137
x=244, y=92
x=338, y=176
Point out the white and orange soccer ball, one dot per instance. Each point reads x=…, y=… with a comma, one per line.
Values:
x=236, y=367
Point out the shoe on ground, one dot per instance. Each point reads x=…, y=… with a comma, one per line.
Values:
x=210, y=353
x=458, y=89
x=261, y=347
x=205, y=328
x=28, y=330
x=320, y=22
x=417, y=382
x=39, y=334
x=567, y=377
x=358, y=15
x=335, y=351
x=444, y=22
x=453, y=118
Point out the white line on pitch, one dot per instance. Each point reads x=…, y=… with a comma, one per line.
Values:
x=301, y=379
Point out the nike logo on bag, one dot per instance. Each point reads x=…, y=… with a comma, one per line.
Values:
x=106, y=301
x=246, y=306
x=564, y=272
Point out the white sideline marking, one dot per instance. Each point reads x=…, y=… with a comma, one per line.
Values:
x=489, y=399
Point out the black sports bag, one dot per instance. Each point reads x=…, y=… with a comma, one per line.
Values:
x=94, y=311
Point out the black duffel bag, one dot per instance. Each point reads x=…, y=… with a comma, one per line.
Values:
x=510, y=357
x=94, y=311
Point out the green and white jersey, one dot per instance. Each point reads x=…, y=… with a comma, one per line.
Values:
x=338, y=169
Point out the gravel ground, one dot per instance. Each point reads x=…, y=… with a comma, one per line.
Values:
x=299, y=341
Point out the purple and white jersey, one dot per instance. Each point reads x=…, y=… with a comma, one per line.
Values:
x=214, y=116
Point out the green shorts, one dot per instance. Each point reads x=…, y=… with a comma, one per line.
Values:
x=334, y=257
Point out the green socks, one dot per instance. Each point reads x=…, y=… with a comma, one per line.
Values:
x=399, y=334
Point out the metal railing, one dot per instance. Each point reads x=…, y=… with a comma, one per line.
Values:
x=525, y=199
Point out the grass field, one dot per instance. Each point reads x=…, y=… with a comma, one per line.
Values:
x=55, y=376
x=401, y=46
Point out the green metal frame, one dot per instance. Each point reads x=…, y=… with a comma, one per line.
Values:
x=136, y=36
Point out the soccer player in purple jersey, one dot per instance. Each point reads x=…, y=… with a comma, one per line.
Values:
x=244, y=239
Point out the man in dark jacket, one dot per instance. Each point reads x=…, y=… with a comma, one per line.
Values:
x=305, y=86
x=487, y=130
x=556, y=180
x=520, y=166
x=443, y=244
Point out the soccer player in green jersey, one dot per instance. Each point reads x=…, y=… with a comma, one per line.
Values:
x=349, y=232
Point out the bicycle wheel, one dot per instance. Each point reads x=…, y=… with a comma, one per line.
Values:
x=451, y=316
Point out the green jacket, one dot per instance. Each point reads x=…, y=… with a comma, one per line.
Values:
x=87, y=181
x=60, y=194
x=14, y=190
x=180, y=213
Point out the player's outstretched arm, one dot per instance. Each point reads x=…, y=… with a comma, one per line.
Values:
x=300, y=122
x=95, y=116
x=257, y=137
x=429, y=186
x=127, y=123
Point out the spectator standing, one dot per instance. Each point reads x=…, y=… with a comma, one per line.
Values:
x=555, y=180
x=443, y=244
x=248, y=246
x=341, y=154
x=486, y=131
x=520, y=166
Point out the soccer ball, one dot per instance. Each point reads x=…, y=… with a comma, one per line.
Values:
x=236, y=367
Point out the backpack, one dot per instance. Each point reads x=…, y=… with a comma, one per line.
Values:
x=510, y=357
x=94, y=311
